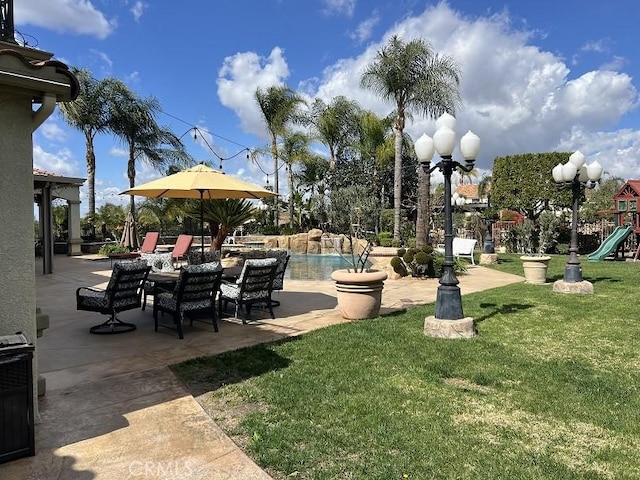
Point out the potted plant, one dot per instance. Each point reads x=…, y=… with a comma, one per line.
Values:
x=358, y=288
x=535, y=265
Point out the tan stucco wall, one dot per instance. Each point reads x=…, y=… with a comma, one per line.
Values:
x=17, y=263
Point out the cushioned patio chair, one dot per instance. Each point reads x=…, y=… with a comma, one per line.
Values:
x=181, y=248
x=123, y=292
x=278, y=279
x=193, y=296
x=254, y=286
x=196, y=257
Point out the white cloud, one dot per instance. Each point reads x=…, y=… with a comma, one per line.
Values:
x=517, y=98
x=241, y=75
x=339, y=7
x=106, y=62
x=118, y=152
x=52, y=131
x=75, y=16
x=59, y=163
x=138, y=9
x=599, y=46
x=364, y=29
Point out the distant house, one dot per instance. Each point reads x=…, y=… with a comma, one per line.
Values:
x=472, y=196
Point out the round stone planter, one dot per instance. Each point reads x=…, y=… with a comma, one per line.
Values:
x=535, y=268
x=359, y=293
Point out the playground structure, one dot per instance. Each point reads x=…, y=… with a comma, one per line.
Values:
x=627, y=219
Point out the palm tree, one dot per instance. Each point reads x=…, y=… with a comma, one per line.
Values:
x=295, y=149
x=419, y=80
x=224, y=216
x=279, y=106
x=132, y=119
x=89, y=113
x=312, y=178
x=336, y=124
x=376, y=143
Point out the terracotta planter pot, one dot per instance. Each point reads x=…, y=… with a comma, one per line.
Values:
x=535, y=268
x=359, y=293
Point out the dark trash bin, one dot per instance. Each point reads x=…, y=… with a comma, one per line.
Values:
x=16, y=398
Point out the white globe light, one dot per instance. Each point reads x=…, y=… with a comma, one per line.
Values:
x=577, y=158
x=470, y=145
x=558, y=175
x=446, y=120
x=569, y=171
x=582, y=174
x=445, y=141
x=594, y=171
x=424, y=148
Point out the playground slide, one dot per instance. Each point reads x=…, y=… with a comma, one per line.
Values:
x=610, y=243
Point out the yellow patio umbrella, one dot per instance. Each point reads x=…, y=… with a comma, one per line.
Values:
x=199, y=182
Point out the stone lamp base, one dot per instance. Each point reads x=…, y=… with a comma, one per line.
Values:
x=583, y=287
x=463, y=328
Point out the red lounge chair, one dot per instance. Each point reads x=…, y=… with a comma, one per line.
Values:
x=149, y=243
x=148, y=246
x=181, y=248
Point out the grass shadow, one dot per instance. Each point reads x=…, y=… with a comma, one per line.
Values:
x=205, y=374
x=505, y=309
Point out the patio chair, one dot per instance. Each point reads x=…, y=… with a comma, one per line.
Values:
x=123, y=292
x=181, y=248
x=195, y=257
x=254, y=285
x=278, y=278
x=193, y=296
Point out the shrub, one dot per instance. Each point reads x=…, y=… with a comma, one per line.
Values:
x=401, y=252
x=112, y=248
x=384, y=239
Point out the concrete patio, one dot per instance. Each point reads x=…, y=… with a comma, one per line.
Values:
x=114, y=410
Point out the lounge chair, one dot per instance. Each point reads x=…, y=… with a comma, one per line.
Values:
x=254, y=285
x=181, y=248
x=123, y=292
x=150, y=242
x=148, y=246
x=194, y=295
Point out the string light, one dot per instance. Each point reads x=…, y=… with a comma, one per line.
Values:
x=248, y=151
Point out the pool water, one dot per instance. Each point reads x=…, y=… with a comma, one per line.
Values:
x=315, y=267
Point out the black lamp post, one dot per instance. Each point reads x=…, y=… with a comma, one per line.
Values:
x=577, y=176
x=448, y=299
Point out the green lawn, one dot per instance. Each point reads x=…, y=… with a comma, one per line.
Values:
x=547, y=390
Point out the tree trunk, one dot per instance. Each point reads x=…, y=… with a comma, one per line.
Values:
x=90, y=159
x=291, y=213
x=276, y=178
x=131, y=173
x=397, y=185
x=424, y=208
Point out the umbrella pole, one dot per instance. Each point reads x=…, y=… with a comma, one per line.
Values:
x=201, y=227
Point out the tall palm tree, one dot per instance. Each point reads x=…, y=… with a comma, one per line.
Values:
x=335, y=124
x=376, y=143
x=89, y=113
x=312, y=179
x=295, y=149
x=418, y=80
x=280, y=107
x=132, y=119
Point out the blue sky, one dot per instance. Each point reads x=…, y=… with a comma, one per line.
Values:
x=536, y=76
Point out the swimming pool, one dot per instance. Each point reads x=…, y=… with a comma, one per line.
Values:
x=315, y=267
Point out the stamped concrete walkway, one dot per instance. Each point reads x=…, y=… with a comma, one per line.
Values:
x=114, y=410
